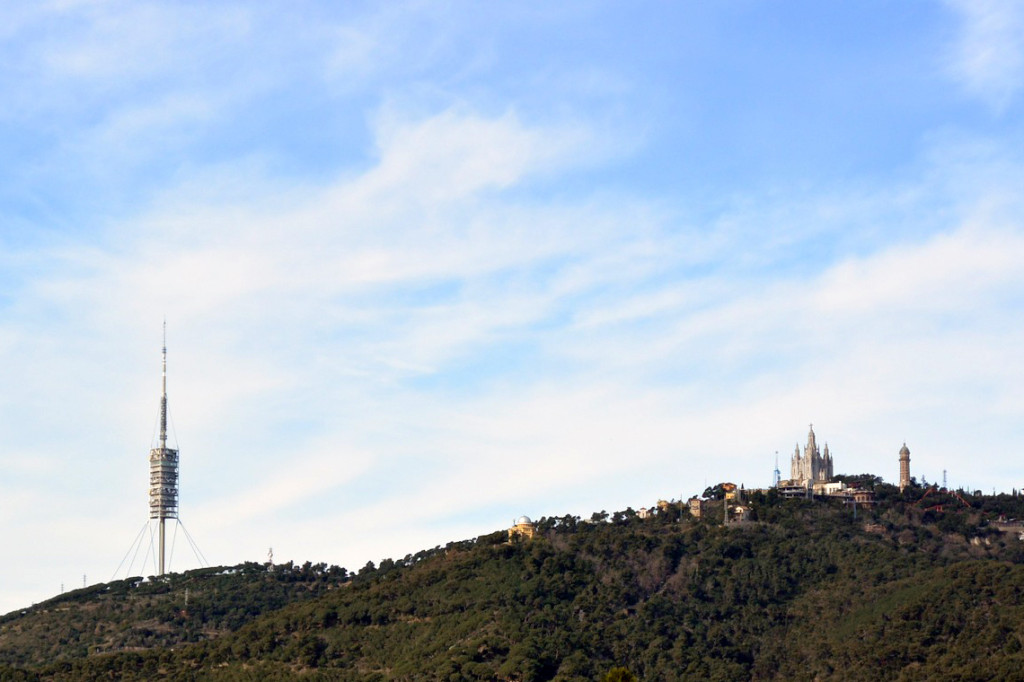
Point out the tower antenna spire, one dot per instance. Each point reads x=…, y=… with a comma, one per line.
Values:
x=163, y=392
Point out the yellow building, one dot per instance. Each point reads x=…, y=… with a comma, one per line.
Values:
x=522, y=528
x=696, y=507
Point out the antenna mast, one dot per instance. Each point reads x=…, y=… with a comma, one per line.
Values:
x=163, y=392
x=163, y=470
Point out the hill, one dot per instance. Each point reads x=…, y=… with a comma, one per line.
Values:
x=801, y=591
x=138, y=615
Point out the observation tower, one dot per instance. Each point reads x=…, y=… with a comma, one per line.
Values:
x=163, y=473
x=152, y=541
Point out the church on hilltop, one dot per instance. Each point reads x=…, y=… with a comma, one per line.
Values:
x=813, y=467
x=810, y=472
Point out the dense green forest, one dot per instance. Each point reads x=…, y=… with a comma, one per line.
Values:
x=916, y=587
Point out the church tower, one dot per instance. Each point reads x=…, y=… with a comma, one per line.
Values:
x=904, y=467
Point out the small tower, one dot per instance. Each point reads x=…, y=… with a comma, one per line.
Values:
x=163, y=471
x=904, y=467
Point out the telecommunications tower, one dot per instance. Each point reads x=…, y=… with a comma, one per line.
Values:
x=163, y=473
x=152, y=541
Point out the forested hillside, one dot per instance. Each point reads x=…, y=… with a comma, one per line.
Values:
x=803, y=590
x=134, y=614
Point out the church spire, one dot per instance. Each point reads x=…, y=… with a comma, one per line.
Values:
x=812, y=443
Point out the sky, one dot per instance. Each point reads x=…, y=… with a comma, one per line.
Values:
x=430, y=266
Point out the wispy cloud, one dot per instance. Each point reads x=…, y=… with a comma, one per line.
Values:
x=988, y=56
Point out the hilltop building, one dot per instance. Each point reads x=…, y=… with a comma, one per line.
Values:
x=740, y=513
x=812, y=469
x=813, y=466
x=811, y=472
x=904, y=467
x=862, y=496
x=522, y=528
x=696, y=506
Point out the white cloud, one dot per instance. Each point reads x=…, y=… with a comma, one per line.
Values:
x=118, y=42
x=450, y=156
x=988, y=57
x=297, y=477
x=950, y=274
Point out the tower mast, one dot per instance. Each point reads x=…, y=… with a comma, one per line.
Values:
x=163, y=471
x=163, y=391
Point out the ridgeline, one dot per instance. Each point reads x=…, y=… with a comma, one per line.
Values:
x=802, y=590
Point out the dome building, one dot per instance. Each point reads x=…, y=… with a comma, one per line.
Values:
x=521, y=528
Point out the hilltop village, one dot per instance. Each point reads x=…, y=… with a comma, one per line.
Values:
x=812, y=477
x=812, y=474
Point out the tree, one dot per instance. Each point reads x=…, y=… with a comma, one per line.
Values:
x=716, y=492
x=619, y=674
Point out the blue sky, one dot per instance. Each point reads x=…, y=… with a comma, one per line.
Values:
x=431, y=266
